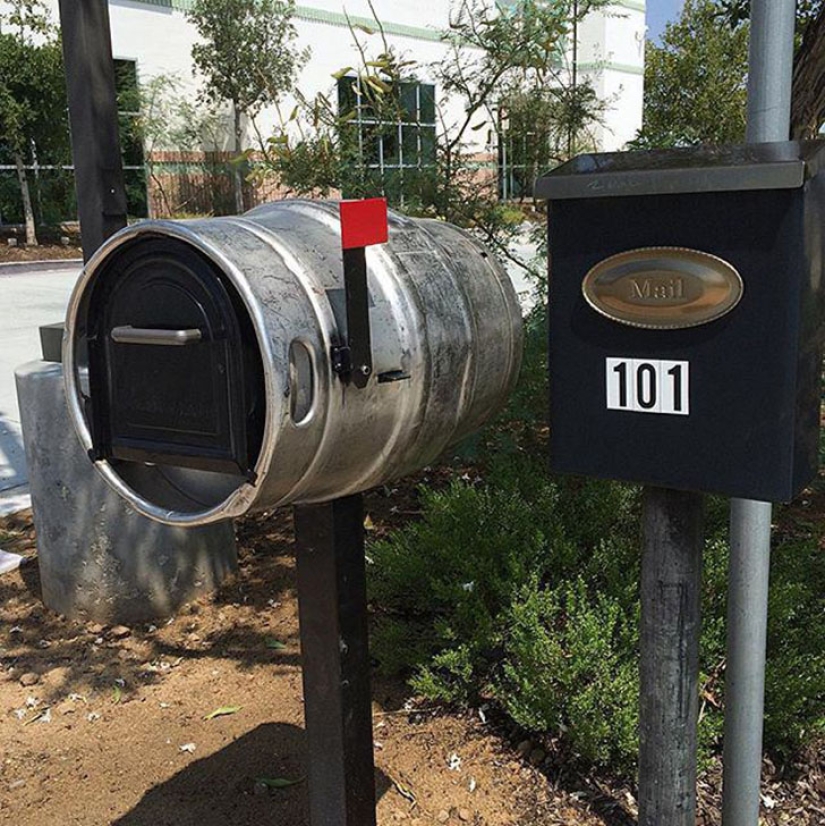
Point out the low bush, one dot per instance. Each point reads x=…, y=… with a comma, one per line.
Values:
x=522, y=589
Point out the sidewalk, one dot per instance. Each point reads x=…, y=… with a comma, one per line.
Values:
x=31, y=294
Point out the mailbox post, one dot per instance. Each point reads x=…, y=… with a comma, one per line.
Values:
x=226, y=365
x=685, y=317
x=332, y=581
x=90, y=83
x=332, y=600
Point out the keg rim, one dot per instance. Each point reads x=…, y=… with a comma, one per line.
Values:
x=241, y=499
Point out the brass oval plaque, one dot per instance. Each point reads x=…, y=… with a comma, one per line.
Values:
x=663, y=288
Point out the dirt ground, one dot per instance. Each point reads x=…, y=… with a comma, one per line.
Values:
x=42, y=252
x=108, y=725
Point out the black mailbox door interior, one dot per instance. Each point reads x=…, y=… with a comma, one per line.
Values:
x=169, y=362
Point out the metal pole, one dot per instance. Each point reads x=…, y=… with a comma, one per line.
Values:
x=332, y=603
x=673, y=536
x=770, y=70
x=769, y=106
x=90, y=83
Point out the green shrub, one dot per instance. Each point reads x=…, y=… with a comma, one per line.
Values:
x=523, y=590
x=569, y=669
x=795, y=678
x=500, y=585
x=480, y=546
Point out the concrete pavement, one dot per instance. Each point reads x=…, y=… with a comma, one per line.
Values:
x=27, y=300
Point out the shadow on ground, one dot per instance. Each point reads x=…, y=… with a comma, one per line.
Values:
x=220, y=789
x=250, y=620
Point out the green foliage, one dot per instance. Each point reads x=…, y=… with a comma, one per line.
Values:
x=569, y=669
x=695, y=82
x=545, y=126
x=32, y=87
x=168, y=120
x=509, y=53
x=246, y=54
x=456, y=596
x=522, y=589
x=33, y=107
x=737, y=13
x=247, y=57
x=795, y=678
x=506, y=66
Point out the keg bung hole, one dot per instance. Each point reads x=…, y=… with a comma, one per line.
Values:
x=301, y=381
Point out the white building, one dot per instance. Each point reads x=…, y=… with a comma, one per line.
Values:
x=608, y=51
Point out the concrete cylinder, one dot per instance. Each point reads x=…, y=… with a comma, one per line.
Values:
x=99, y=559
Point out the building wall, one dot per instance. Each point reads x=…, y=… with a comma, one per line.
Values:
x=157, y=35
x=611, y=56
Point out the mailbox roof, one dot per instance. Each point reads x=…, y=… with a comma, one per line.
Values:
x=758, y=166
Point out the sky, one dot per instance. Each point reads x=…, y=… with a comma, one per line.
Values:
x=660, y=12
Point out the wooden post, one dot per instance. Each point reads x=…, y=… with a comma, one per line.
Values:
x=90, y=82
x=673, y=535
x=332, y=605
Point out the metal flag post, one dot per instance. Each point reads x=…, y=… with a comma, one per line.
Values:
x=332, y=582
x=769, y=107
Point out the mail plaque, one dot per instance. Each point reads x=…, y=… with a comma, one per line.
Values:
x=663, y=288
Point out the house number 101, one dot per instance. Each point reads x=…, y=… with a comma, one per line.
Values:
x=648, y=386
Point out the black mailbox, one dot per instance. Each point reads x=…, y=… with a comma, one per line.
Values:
x=685, y=315
x=174, y=365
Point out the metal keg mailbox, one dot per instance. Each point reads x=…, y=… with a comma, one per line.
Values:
x=686, y=319
x=219, y=365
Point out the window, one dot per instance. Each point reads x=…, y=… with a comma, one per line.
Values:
x=521, y=159
x=396, y=143
x=131, y=138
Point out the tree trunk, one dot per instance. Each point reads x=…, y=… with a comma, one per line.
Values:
x=238, y=166
x=808, y=96
x=31, y=235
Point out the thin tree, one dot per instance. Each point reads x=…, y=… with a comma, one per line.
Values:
x=695, y=81
x=247, y=57
x=494, y=59
x=32, y=94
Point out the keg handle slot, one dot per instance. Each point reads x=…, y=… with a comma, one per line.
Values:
x=363, y=223
x=146, y=335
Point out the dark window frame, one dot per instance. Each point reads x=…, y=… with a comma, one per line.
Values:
x=398, y=146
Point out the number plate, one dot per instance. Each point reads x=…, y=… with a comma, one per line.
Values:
x=648, y=386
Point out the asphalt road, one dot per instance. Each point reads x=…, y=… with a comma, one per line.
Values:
x=27, y=300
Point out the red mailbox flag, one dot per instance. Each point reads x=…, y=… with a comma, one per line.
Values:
x=363, y=223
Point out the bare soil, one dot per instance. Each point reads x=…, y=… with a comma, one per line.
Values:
x=42, y=252
x=103, y=725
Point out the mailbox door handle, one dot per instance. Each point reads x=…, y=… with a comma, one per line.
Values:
x=147, y=335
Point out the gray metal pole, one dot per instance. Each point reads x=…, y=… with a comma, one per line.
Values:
x=769, y=108
x=673, y=536
x=770, y=70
